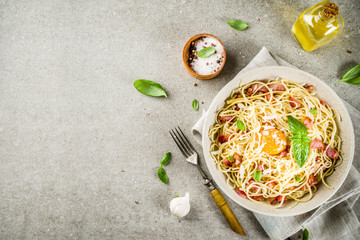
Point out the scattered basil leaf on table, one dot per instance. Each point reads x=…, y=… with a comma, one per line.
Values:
x=313, y=111
x=257, y=175
x=305, y=234
x=297, y=178
x=149, y=88
x=206, y=52
x=238, y=24
x=352, y=76
x=166, y=159
x=162, y=175
x=301, y=142
x=195, y=104
x=241, y=125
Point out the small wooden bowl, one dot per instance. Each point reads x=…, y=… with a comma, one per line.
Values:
x=186, y=57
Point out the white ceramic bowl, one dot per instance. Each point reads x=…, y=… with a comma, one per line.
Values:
x=325, y=93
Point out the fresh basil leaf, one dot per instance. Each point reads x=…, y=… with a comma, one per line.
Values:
x=149, y=88
x=296, y=127
x=206, y=52
x=238, y=24
x=257, y=175
x=301, y=150
x=352, y=76
x=166, y=159
x=241, y=125
x=231, y=158
x=195, y=104
x=162, y=175
x=313, y=111
x=305, y=234
x=296, y=137
x=297, y=178
x=306, y=138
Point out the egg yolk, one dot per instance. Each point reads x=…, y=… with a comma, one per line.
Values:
x=273, y=141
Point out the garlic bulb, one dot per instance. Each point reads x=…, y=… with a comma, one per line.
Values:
x=180, y=206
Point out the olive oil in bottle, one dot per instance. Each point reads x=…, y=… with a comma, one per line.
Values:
x=318, y=25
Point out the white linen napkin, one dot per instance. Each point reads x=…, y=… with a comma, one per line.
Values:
x=335, y=219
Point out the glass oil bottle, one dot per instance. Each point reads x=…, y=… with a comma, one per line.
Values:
x=318, y=25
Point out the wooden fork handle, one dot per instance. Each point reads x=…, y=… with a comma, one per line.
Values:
x=227, y=212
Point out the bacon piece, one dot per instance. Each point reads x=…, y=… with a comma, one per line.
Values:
x=331, y=153
x=309, y=87
x=281, y=198
x=225, y=118
x=249, y=91
x=241, y=193
x=317, y=144
x=237, y=108
x=312, y=180
x=223, y=138
x=255, y=188
x=277, y=87
x=294, y=103
x=237, y=156
x=227, y=162
x=323, y=103
x=272, y=200
x=238, y=159
x=260, y=167
x=308, y=122
x=269, y=98
x=259, y=87
x=271, y=184
x=283, y=153
x=257, y=198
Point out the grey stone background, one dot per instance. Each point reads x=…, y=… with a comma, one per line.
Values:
x=80, y=147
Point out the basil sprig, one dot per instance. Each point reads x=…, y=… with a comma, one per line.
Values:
x=241, y=125
x=195, y=104
x=238, y=24
x=206, y=52
x=162, y=175
x=257, y=175
x=149, y=88
x=305, y=235
x=352, y=76
x=166, y=159
x=301, y=142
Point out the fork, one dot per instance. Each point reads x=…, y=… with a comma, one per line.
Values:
x=192, y=156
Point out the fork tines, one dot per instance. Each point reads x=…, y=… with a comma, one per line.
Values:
x=182, y=142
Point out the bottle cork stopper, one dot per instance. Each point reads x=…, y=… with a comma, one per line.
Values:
x=330, y=10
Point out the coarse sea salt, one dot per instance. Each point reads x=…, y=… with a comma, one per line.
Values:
x=209, y=65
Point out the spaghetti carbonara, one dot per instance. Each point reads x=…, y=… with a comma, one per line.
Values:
x=251, y=141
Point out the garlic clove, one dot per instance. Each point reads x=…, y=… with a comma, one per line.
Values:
x=180, y=206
